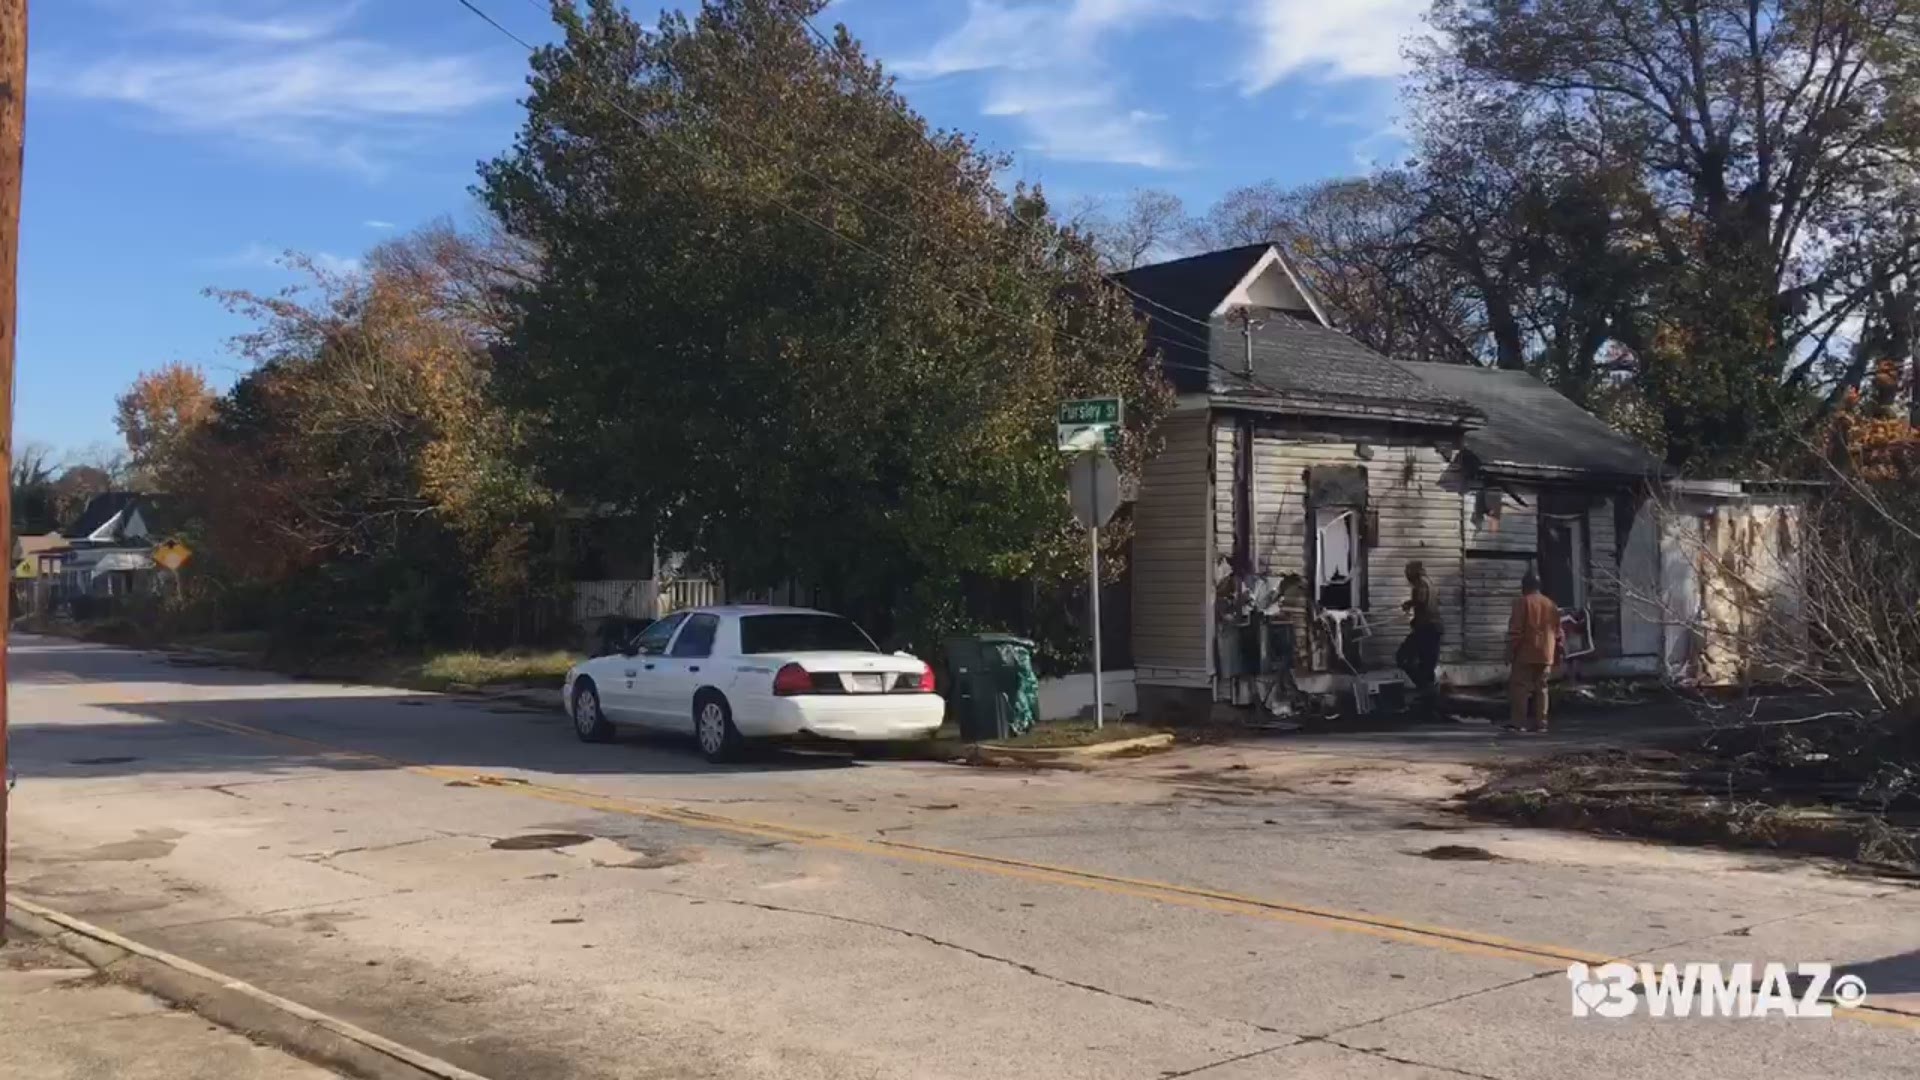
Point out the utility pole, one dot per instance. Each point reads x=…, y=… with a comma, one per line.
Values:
x=13, y=128
x=1248, y=324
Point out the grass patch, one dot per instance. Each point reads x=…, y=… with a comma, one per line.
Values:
x=250, y=642
x=254, y=648
x=518, y=668
x=1063, y=734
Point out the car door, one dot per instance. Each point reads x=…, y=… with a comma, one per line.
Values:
x=670, y=685
x=625, y=696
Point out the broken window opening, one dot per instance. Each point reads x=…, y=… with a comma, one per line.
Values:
x=1336, y=558
x=1564, y=544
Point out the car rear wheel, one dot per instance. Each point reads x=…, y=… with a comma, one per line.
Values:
x=590, y=721
x=713, y=726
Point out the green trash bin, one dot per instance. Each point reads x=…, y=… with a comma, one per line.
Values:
x=992, y=691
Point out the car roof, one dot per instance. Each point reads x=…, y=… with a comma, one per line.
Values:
x=738, y=610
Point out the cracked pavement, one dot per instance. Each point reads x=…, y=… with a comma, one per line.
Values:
x=1268, y=910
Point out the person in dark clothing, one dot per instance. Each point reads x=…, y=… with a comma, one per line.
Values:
x=1419, y=654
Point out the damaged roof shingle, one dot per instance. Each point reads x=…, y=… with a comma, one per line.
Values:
x=1530, y=425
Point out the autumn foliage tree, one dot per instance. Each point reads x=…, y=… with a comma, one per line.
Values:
x=357, y=483
x=160, y=411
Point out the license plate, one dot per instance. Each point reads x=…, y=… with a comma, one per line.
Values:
x=866, y=684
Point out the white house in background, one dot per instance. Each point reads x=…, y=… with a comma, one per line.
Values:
x=108, y=549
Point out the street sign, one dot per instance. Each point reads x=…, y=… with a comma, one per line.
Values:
x=172, y=554
x=24, y=568
x=1093, y=487
x=1085, y=423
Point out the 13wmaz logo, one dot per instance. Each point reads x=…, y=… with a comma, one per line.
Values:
x=1615, y=991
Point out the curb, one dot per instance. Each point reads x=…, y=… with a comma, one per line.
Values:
x=306, y=1033
x=1158, y=741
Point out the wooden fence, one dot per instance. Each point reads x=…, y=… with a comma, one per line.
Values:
x=641, y=598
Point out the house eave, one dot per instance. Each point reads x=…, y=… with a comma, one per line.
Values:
x=1345, y=408
x=1519, y=470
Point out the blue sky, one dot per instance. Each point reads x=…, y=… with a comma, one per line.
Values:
x=174, y=145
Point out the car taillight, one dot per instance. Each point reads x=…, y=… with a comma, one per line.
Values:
x=792, y=679
x=926, y=678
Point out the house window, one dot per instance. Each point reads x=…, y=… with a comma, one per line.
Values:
x=1336, y=559
x=1564, y=544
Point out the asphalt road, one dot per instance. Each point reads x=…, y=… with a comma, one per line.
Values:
x=471, y=881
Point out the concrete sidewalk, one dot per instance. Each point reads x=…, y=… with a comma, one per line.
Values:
x=62, y=1020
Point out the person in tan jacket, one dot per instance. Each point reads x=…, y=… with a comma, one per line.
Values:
x=1533, y=639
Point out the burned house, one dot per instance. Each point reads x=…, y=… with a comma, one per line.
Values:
x=1302, y=471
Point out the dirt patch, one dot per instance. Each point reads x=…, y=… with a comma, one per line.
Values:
x=1074, y=733
x=1738, y=789
x=539, y=841
x=656, y=860
x=25, y=953
x=147, y=844
x=1458, y=853
x=314, y=922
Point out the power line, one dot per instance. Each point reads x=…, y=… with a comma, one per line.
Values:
x=1201, y=345
x=979, y=303
x=489, y=20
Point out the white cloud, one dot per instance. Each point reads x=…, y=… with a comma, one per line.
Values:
x=1046, y=64
x=1332, y=39
x=330, y=263
x=257, y=256
x=279, y=26
x=289, y=84
x=376, y=223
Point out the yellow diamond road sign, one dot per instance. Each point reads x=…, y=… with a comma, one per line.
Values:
x=24, y=569
x=173, y=554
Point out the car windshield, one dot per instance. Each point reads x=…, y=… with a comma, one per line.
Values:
x=800, y=632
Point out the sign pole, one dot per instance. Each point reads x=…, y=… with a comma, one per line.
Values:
x=1093, y=604
x=1087, y=427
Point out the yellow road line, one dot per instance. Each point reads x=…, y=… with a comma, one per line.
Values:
x=1466, y=942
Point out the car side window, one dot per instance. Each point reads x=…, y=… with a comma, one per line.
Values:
x=696, y=640
x=653, y=640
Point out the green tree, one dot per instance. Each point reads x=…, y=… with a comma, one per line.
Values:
x=783, y=317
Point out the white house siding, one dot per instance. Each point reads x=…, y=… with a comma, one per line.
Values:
x=1643, y=623
x=1415, y=492
x=1170, y=558
x=1411, y=488
x=1497, y=558
x=1222, y=491
x=1497, y=555
x=1603, y=577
